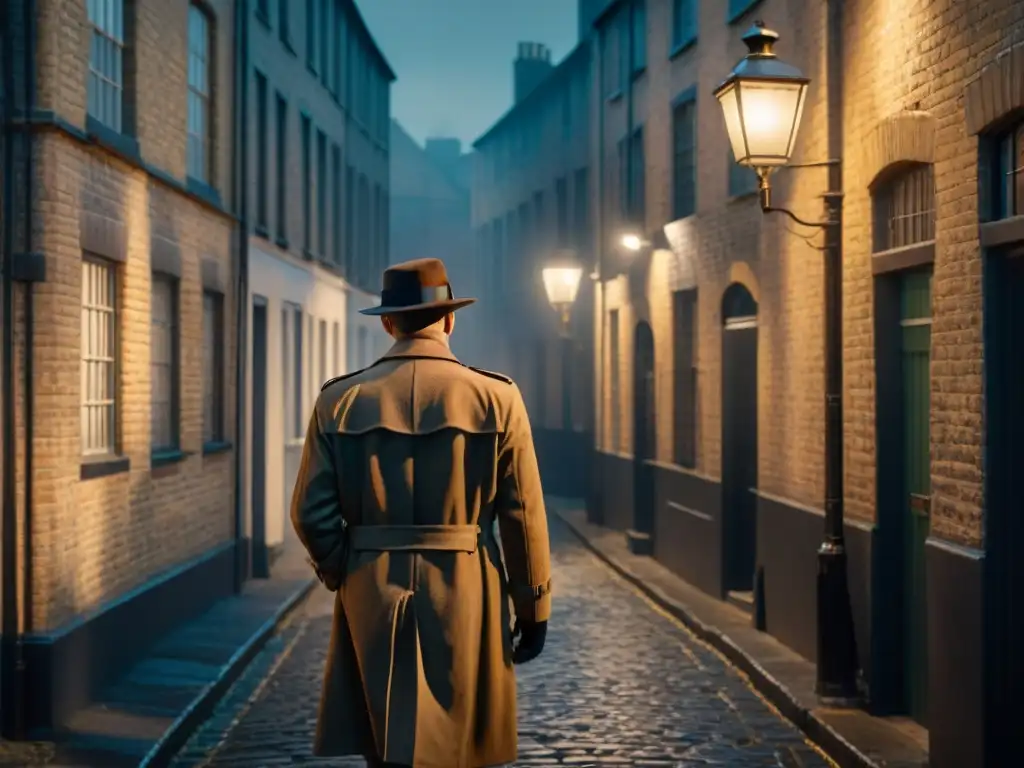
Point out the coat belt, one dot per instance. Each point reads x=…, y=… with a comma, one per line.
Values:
x=428, y=538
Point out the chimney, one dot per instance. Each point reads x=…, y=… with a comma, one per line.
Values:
x=531, y=66
x=445, y=153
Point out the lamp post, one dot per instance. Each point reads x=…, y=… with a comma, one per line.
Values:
x=763, y=101
x=561, y=284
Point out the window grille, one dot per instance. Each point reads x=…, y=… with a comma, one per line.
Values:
x=198, y=148
x=904, y=209
x=99, y=358
x=105, y=90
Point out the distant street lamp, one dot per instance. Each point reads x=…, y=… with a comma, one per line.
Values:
x=763, y=101
x=632, y=242
x=561, y=284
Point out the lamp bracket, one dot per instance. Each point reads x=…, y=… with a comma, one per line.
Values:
x=817, y=164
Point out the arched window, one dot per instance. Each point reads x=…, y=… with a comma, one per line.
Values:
x=904, y=208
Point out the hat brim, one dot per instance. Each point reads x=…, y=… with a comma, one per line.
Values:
x=450, y=304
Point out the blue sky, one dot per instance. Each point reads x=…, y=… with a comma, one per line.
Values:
x=454, y=58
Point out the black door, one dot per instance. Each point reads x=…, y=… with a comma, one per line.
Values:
x=1004, y=525
x=739, y=438
x=260, y=563
x=643, y=432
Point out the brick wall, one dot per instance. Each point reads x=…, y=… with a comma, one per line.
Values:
x=95, y=539
x=906, y=69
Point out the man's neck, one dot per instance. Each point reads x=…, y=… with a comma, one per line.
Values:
x=433, y=334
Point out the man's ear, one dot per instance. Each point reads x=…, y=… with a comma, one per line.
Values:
x=449, y=323
x=389, y=327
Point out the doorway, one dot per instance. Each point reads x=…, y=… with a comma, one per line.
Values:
x=1004, y=526
x=260, y=559
x=915, y=385
x=739, y=443
x=644, y=437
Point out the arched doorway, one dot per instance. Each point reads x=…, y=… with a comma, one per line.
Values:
x=739, y=441
x=644, y=436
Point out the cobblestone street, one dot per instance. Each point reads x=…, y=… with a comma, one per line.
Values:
x=619, y=683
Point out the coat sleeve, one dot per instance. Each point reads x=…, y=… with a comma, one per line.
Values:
x=519, y=508
x=316, y=508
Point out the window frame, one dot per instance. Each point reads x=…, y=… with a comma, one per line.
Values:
x=117, y=38
x=741, y=180
x=321, y=194
x=114, y=309
x=214, y=378
x=889, y=196
x=311, y=36
x=685, y=25
x=173, y=446
x=281, y=168
x=1003, y=173
x=201, y=169
x=306, y=142
x=737, y=9
x=685, y=104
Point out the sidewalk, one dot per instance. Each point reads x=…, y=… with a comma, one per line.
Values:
x=145, y=718
x=786, y=679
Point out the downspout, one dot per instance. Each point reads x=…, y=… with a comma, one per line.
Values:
x=10, y=694
x=240, y=177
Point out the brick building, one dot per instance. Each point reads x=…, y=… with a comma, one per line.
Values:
x=430, y=202
x=118, y=393
x=711, y=419
x=531, y=207
x=319, y=125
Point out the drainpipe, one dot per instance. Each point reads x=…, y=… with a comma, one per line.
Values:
x=10, y=693
x=240, y=177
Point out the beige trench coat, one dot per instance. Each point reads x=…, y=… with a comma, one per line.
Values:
x=407, y=465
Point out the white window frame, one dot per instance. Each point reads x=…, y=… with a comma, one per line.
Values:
x=213, y=367
x=105, y=86
x=199, y=93
x=99, y=358
x=164, y=364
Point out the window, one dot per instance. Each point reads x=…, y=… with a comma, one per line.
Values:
x=904, y=209
x=284, y=23
x=323, y=352
x=350, y=222
x=307, y=172
x=581, y=207
x=299, y=423
x=638, y=180
x=281, y=168
x=107, y=63
x=321, y=194
x=738, y=8
x=742, y=178
x=610, y=55
x=213, y=367
x=310, y=34
x=613, y=379
x=1006, y=171
x=639, y=33
x=325, y=31
x=263, y=10
x=625, y=48
x=262, y=152
x=340, y=44
x=684, y=389
x=562, y=213
x=684, y=159
x=163, y=354
x=199, y=112
x=336, y=207
x=684, y=23
x=99, y=358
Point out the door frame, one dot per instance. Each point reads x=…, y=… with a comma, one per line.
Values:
x=645, y=424
x=259, y=559
x=743, y=315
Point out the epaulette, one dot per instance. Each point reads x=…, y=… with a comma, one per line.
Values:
x=340, y=378
x=492, y=374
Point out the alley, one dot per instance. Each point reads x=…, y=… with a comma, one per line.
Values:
x=618, y=684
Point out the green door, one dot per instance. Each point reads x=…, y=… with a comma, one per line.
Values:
x=916, y=326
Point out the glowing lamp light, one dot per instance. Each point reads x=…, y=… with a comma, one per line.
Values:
x=763, y=101
x=561, y=285
x=632, y=242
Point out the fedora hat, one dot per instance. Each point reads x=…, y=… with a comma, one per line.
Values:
x=416, y=285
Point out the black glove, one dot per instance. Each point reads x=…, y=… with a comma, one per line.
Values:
x=531, y=636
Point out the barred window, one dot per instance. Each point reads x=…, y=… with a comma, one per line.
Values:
x=198, y=94
x=904, y=209
x=213, y=367
x=163, y=352
x=105, y=90
x=1007, y=174
x=99, y=358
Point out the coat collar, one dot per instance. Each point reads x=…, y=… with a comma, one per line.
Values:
x=427, y=343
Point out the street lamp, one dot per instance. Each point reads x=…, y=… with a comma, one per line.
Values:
x=561, y=284
x=763, y=101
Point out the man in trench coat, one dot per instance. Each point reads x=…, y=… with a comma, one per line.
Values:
x=407, y=465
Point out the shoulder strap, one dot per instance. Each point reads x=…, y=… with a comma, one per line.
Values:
x=491, y=374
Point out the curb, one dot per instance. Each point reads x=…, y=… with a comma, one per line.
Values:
x=845, y=754
x=202, y=706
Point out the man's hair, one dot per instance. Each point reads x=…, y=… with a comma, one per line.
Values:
x=417, y=320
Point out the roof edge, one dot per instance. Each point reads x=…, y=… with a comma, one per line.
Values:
x=368, y=36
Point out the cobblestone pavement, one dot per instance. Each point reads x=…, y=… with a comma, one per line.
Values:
x=619, y=683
